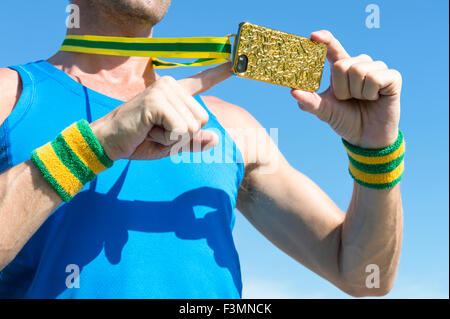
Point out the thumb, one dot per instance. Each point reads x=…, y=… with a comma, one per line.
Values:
x=307, y=101
x=313, y=103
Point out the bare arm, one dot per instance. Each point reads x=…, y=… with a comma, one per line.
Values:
x=299, y=218
x=363, y=106
x=26, y=200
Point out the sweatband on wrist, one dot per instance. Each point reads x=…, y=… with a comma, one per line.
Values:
x=377, y=168
x=71, y=160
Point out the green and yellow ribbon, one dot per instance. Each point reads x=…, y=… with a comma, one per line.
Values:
x=207, y=50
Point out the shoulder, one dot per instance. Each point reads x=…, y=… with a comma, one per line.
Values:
x=255, y=144
x=230, y=115
x=10, y=91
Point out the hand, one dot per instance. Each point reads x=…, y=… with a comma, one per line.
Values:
x=144, y=128
x=362, y=104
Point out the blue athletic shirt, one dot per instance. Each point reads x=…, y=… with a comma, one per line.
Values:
x=141, y=229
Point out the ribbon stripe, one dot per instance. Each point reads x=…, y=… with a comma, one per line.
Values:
x=207, y=50
x=185, y=47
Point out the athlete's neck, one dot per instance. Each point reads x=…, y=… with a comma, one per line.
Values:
x=118, y=77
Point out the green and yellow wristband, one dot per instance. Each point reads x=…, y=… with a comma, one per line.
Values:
x=377, y=168
x=71, y=160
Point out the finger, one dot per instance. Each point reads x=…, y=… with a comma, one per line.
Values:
x=313, y=103
x=180, y=105
x=335, y=51
x=150, y=150
x=158, y=135
x=205, y=80
x=339, y=75
x=199, y=113
x=203, y=141
x=189, y=109
x=357, y=74
x=170, y=120
x=384, y=82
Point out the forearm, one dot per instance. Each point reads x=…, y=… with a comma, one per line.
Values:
x=371, y=235
x=26, y=201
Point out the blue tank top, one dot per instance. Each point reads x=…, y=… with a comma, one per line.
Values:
x=142, y=229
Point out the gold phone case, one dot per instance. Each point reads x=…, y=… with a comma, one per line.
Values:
x=276, y=57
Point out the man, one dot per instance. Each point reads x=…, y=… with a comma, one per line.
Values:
x=150, y=228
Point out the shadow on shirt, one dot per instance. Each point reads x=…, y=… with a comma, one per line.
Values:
x=95, y=222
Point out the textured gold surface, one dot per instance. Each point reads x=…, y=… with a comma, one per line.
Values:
x=280, y=58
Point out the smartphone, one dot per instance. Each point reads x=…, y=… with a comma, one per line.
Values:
x=279, y=58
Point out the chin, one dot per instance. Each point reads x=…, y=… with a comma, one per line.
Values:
x=150, y=11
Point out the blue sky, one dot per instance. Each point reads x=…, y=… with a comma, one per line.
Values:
x=413, y=38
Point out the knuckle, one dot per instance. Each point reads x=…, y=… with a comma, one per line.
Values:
x=177, y=134
x=166, y=80
x=197, y=125
x=183, y=129
x=204, y=118
x=375, y=76
x=397, y=74
x=157, y=113
x=191, y=128
x=151, y=101
x=381, y=64
x=364, y=57
x=328, y=33
x=341, y=65
x=357, y=70
x=170, y=138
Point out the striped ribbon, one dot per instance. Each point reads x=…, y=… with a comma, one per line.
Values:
x=207, y=50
